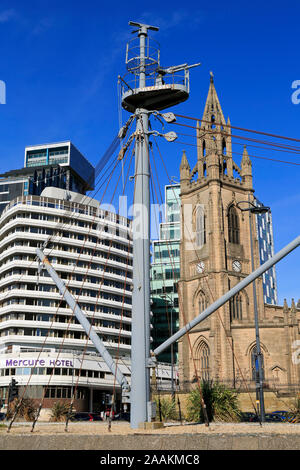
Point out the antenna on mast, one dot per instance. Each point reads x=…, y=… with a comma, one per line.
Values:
x=143, y=26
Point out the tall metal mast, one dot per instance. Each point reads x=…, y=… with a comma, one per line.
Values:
x=147, y=88
x=140, y=346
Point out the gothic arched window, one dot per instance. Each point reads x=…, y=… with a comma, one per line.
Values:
x=233, y=226
x=202, y=303
x=200, y=227
x=202, y=360
x=254, y=364
x=236, y=307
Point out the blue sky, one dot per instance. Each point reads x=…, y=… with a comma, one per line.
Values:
x=60, y=61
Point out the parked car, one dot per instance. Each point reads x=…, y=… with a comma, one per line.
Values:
x=285, y=416
x=273, y=418
x=249, y=417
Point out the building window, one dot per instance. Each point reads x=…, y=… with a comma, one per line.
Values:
x=202, y=360
x=236, y=307
x=254, y=365
x=200, y=227
x=233, y=226
x=202, y=302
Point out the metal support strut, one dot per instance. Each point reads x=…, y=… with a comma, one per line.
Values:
x=222, y=300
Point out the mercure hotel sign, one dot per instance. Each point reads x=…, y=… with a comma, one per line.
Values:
x=30, y=362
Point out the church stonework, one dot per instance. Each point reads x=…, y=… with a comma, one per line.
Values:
x=215, y=254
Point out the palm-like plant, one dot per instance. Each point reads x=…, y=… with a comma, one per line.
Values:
x=225, y=404
x=294, y=415
x=168, y=408
x=27, y=409
x=221, y=403
x=59, y=411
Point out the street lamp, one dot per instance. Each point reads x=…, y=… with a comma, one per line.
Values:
x=253, y=209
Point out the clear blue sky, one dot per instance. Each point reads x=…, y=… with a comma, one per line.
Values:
x=60, y=61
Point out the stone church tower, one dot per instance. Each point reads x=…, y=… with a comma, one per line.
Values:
x=215, y=255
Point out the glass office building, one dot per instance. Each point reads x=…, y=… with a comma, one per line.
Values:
x=264, y=229
x=165, y=272
x=66, y=155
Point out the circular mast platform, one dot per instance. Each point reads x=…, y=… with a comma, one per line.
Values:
x=155, y=97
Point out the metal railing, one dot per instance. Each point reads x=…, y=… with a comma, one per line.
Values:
x=130, y=82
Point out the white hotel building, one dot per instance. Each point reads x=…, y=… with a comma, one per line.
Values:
x=42, y=345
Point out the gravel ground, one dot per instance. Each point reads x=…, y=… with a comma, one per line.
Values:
x=121, y=428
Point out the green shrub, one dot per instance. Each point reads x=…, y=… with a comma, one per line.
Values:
x=225, y=404
x=221, y=403
x=168, y=408
x=294, y=415
x=27, y=409
x=59, y=411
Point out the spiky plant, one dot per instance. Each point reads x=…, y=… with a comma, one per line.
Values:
x=59, y=411
x=168, y=408
x=194, y=405
x=294, y=415
x=225, y=404
x=27, y=409
x=221, y=403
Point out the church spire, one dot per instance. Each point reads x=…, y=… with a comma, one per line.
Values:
x=213, y=114
x=246, y=162
x=185, y=170
x=184, y=163
x=246, y=168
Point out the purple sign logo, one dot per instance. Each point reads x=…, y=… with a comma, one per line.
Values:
x=38, y=363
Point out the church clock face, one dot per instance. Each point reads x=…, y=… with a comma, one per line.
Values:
x=200, y=267
x=236, y=265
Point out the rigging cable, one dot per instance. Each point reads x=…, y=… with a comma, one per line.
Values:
x=86, y=238
x=85, y=198
x=203, y=404
x=240, y=128
x=97, y=300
